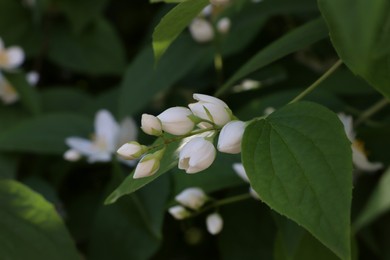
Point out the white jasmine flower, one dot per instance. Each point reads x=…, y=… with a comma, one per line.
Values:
x=193, y=198
x=196, y=155
x=359, y=156
x=176, y=120
x=201, y=30
x=239, y=169
x=211, y=109
x=108, y=136
x=151, y=125
x=148, y=165
x=72, y=155
x=132, y=150
x=179, y=212
x=229, y=140
x=11, y=57
x=223, y=25
x=214, y=223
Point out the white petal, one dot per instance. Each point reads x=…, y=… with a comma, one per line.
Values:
x=15, y=57
x=201, y=30
x=106, y=129
x=83, y=146
x=348, y=125
x=214, y=223
x=72, y=155
x=229, y=140
x=209, y=99
x=179, y=212
x=32, y=78
x=361, y=162
x=193, y=198
x=239, y=169
x=128, y=131
x=99, y=157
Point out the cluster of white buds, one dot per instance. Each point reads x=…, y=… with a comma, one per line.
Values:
x=192, y=200
x=196, y=127
x=202, y=29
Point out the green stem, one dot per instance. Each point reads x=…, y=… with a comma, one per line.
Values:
x=372, y=110
x=223, y=202
x=317, y=82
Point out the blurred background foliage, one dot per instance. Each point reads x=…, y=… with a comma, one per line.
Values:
x=97, y=54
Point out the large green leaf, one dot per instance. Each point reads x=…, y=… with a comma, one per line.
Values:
x=295, y=40
x=30, y=226
x=298, y=160
x=98, y=50
x=44, y=134
x=360, y=32
x=378, y=203
x=172, y=24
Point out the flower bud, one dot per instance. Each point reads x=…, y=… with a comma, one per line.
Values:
x=32, y=78
x=193, y=198
x=72, y=155
x=197, y=155
x=176, y=120
x=201, y=30
x=148, y=165
x=229, y=140
x=223, y=25
x=179, y=212
x=269, y=110
x=211, y=109
x=132, y=150
x=151, y=125
x=214, y=223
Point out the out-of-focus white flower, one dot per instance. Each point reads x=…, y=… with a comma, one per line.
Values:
x=247, y=84
x=214, y=223
x=220, y=2
x=72, y=155
x=223, y=25
x=7, y=93
x=32, y=78
x=239, y=169
x=11, y=57
x=207, y=11
x=211, y=109
x=179, y=212
x=359, y=156
x=151, y=125
x=201, y=30
x=269, y=110
x=229, y=140
x=196, y=155
x=148, y=165
x=193, y=198
x=132, y=150
x=108, y=136
x=176, y=120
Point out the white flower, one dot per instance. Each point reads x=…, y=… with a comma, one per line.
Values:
x=179, y=212
x=207, y=11
x=108, y=136
x=72, y=155
x=223, y=25
x=359, y=157
x=229, y=140
x=193, y=198
x=196, y=155
x=32, y=78
x=214, y=223
x=176, y=120
x=11, y=57
x=211, y=109
x=219, y=2
x=131, y=150
x=239, y=169
x=201, y=30
x=148, y=165
x=8, y=93
x=151, y=125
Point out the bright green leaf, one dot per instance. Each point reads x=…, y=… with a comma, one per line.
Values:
x=293, y=41
x=299, y=161
x=172, y=24
x=30, y=226
x=360, y=30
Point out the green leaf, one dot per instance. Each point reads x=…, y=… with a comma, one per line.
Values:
x=166, y=1
x=378, y=203
x=360, y=32
x=98, y=50
x=27, y=93
x=299, y=161
x=30, y=226
x=173, y=23
x=130, y=185
x=295, y=40
x=8, y=166
x=44, y=134
x=63, y=99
